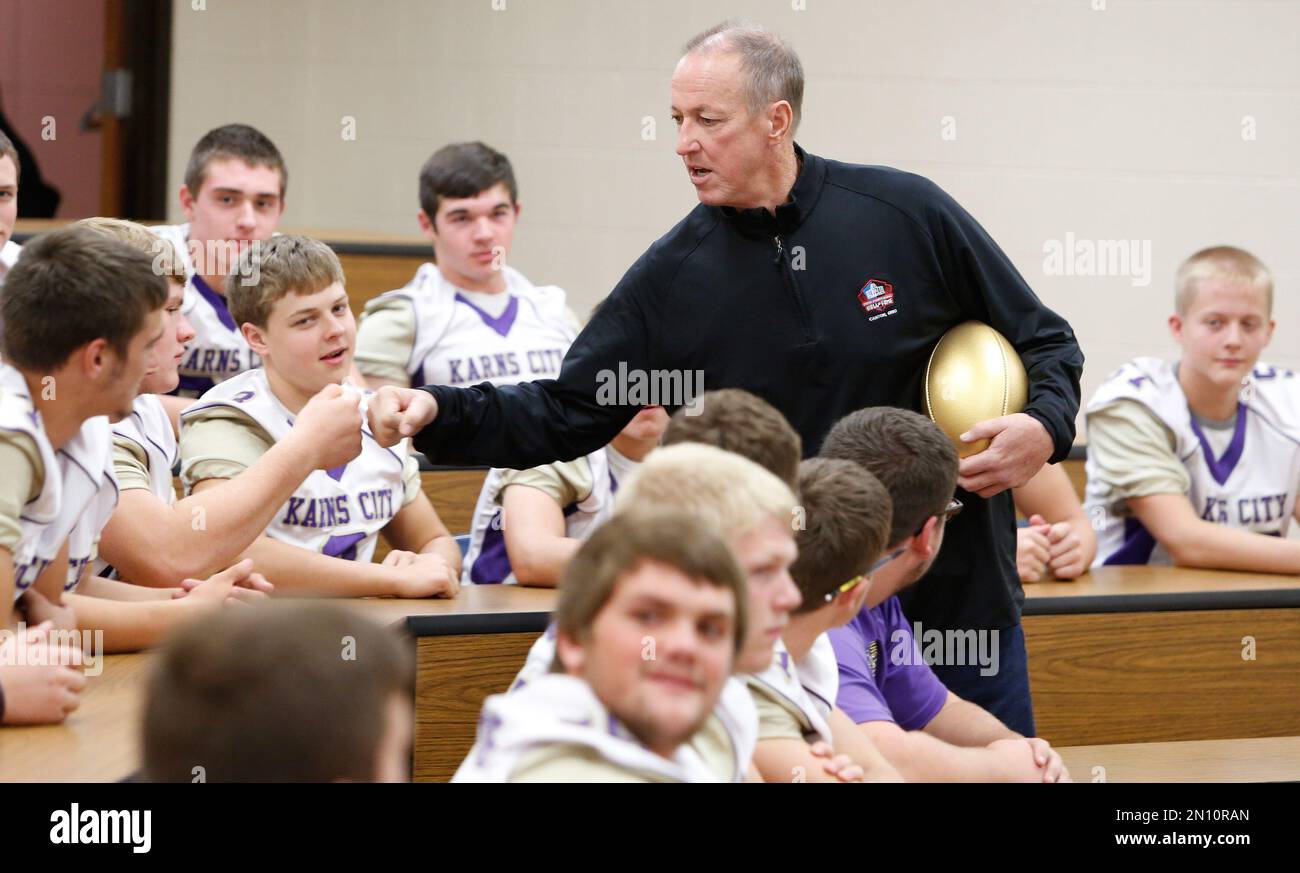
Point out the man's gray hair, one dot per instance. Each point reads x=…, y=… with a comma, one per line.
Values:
x=768, y=63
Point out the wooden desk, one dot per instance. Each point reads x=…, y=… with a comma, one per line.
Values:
x=99, y=742
x=1269, y=759
x=466, y=649
x=1169, y=667
x=1151, y=654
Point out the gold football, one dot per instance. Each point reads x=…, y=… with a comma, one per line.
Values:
x=973, y=375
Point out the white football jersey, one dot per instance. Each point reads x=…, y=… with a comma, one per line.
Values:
x=336, y=512
x=734, y=709
x=561, y=710
x=9, y=253
x=18, y=413
x=782, y=681
x=486, y=561
x=1250, y=485
x=458, y=343
x=819, y=674
x=89, y=495
x=149, y=428
x=218, y=350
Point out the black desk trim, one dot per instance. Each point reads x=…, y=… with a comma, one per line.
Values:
x=1188, y=601
x=468, y=624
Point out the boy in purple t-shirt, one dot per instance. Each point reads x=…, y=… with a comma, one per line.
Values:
x=885, y=685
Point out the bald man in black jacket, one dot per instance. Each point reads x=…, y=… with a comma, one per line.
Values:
x=821, y=287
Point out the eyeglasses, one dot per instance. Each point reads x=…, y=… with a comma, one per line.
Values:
x=848, y=586
x=950, y=511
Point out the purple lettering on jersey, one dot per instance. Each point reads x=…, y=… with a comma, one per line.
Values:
x=365, y=512
x=513, y=359
x=454, y=364
x=341, y=509
x=1270, y=373
x=1215, y=510
x=208, y=355
x=291, y=515
x=327, y=518
x=471, y=373
x=344, y=547
x=243, y=397
x=309, y=517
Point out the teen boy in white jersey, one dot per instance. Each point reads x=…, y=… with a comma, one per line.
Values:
x=233, y=195
x=153, y=539
x=9, y=249
x=296, y=317
x=528, y=523
x=1197, y=462
x=79, y=314
x=468, y=317
x=606, y=712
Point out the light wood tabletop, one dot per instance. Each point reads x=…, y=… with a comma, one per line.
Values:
x=1146, y=579
x=1266, y=759
x=98, y=742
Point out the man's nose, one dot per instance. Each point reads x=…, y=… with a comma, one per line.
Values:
x=788, y=595
x=247, y=217
x=686, y=141
x=677, y=641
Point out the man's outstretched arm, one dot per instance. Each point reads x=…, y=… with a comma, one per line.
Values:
x=532, y=423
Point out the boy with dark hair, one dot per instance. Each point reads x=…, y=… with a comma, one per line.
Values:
x=467, y=317
x=744, y=423
x=233, y=195
x=286, y=692
x=885, y=685
x=80, y=315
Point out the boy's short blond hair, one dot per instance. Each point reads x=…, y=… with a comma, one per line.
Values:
x=272, y=269
x=166, y=260
x=731, y=493
x=1220, y=262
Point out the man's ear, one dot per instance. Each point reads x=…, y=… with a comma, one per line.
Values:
x=519, y=207
x=570, y=653
x=1176, y=327
x=95, y=358
x=781, y=118
x=255, y=337
x=187, y=202
x=924, y=544
x=426, y=225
